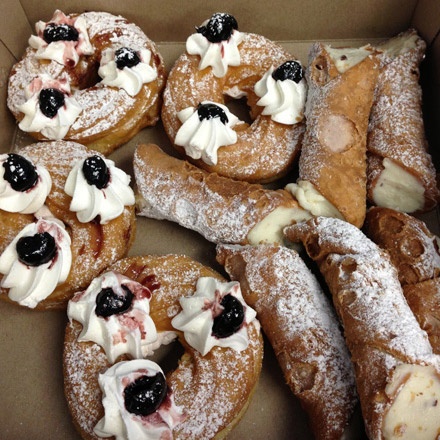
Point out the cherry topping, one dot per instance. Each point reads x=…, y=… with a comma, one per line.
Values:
x=144, y=396
x=109, y=303
x=219, y=27
x=59, y=32
x=230, y=319
x=289, y=70
x=35, y=250
x=96, y=171
x=50, y=101
x=126, y=57
x=209, y=111
x=19, y=172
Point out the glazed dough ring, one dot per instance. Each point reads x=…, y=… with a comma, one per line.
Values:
x=205, y=386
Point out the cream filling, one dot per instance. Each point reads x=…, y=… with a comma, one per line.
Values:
x=397, y=189
x=270, y=229
x=344, y=58
x=312, y=200
x=415, y=411
x=399, y=45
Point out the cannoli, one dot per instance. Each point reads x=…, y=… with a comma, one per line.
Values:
x=219, y=208
x=397, y=374
x=414, y=250
x=332, y=166
x=400, y=173
x=302, y=328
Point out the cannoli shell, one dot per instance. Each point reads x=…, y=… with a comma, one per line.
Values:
x=333, y=155
x=219, y=208
x=302, y=328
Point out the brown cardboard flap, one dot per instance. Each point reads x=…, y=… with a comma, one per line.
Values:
x=426, y=18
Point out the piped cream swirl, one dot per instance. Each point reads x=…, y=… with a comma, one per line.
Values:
x=28, y=285
x=63, y=52
x=122, y=424
x=283, y=100
x=24, y=202
x=89, y=201
x=198, y=312
x=130, y=332
x=34, y=120
x=202, y=138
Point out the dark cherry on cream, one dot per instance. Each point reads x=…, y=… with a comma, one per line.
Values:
x=35, y=250
x=210, y=111
x=219, y=27
x=144, y=396
x=20, y=173
x=50, y=101
x=230, y=319
x=96, y=172
x=126, y=57
x=289, y=70
x=59, y=32
x=109, y=302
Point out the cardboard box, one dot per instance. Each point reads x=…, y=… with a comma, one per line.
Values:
x=32, y=403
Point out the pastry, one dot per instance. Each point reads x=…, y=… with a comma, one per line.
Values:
x=203, y=400
x=397, y=374
x=55, y=244
x=219, y=208
x=401, y=174
x=332, y=164
x=414, y=250
x=54, y=92
x=303, y=329
x=220, y=62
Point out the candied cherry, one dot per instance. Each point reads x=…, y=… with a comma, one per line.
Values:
x=20, y=172
x=230, y=319
x=59, y=32
x=209, y=111
x=126, y=57
x=109, y=302
x=35, y=250
x=219, y=27
x=96, y=171
x=144, y=396
x=289, y=70
x=50, y=101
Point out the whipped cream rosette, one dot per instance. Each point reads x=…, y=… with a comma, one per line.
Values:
x=205, y=129
x=98, y=188
x=115, y=314
x=137, y=402
x=23, y=186
x=282, y=93
x=217, y=48
x=126, y=69
x=216, y=315
x=49, y=109
x=36, y=261
x=62, y=39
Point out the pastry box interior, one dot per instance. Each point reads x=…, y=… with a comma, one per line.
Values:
x=33, y=404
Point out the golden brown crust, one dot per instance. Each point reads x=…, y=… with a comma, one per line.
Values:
x=100, y=127
x=265, y=149
x=94, y=246
x=333, y=155
x=221, y=209
x=302, y=328
x=206, y=386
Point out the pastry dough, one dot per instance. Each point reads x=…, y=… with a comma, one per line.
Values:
x=302, y=328
x=397, y=374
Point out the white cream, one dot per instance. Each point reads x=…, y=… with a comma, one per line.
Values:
x=198, y=312
x=28, y=285
x=24, y=202
x=399, y=45
x=35, y=121
x=217, y=55
x=122, y=424
x=312, y=200
x=283, y=101
x=397, y=189
x=344, y=58
x=414, y=414
x=63, y=52
x=202, y=138
x=130, y=332
x=88, y=201
x=131, y=79
x=270, y=229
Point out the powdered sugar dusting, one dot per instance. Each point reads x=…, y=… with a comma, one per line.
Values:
x=301, y=325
